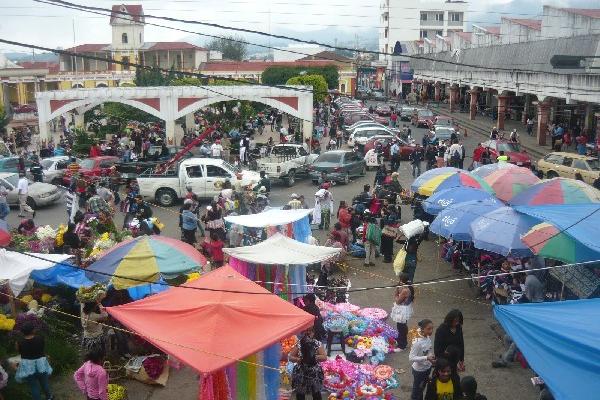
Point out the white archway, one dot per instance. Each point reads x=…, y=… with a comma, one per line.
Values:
x=172, y=102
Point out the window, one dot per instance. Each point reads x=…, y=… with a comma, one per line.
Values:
x=439, y=16
x=124, y=38
x=423, y=34
x=580, y=164
x=194, y=171
x=125, y=65
x=423, y=16
x=106, y=164
x=567, y=161
x=212, y=171
x=439, y=33
x=455, y=17
x=178, y=61
x=554, y=159
x=385, y=33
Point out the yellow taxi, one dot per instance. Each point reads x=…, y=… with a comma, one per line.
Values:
x=567, y=165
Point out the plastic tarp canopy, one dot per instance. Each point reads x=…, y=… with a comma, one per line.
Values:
x=560, y=342
x=16, y=267
x=271, y=217
x=213, y=321
x=281, y=250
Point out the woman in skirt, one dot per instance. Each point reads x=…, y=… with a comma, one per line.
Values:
x=307, y=376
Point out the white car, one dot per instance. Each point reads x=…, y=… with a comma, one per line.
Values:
x=361, y=136
x=365, y=124
x=38, y=194
x=54, y=168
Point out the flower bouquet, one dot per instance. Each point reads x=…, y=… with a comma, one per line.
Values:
x=45, y=232
x=339, y=374
x=373, y=313
x=91, y=294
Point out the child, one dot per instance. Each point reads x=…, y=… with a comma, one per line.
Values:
x=215, y=249
x=468, y=384
x=443, y=385
x=92, y=378
x=421, y=357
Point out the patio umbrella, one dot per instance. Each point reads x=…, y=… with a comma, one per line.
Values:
x=572, y=234
x=4, y=233
x=442, y=199
x=452, y=179
x=549, y=241
x=557, y=191
x=487, y=169
x=455, y=220
x=509, y=182
x=428, y=175
x=145, y=258
x=500, y=232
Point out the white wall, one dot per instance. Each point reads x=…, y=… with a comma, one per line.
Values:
x=558, y=23
x=511, y=32
x=135, y=36
x=279, y=54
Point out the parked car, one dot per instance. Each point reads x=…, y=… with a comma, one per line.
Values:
x=443, y=132
x=406, y=113
x=92, y=167
x=338, y=166
x=517, y=155
x=54, y=169
x=422, y=118
x=360, y=124
x=203, y=175
x=383, y=110
x=350, y=119
x=386, y=141
x=567, y=165
x=286, y=162
x=11, y=164
x=378, y=94
x=361, y=136
x=38, y=194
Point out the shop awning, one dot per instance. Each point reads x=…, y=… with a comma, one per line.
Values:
x=271, y=217
x=213, y=321
x=282, y=250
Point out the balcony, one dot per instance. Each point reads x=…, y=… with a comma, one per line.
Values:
x=431, y=23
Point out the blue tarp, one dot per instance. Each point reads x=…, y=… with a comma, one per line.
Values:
x=560, y=342
x=141, y=291
x=61, y=275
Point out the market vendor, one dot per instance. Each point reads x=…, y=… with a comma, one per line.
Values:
x=307, y=376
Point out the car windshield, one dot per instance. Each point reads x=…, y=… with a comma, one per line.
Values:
x=443, y=121
x=509, y=147
x=87, y=163
x=12, y=179
x=425, y=113
x=229, y=167
x=46, y=163
x=594, y=164
x=329, y=158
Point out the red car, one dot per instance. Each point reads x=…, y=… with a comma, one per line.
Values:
x=386, y=141
x=93, y=167
x=422, y=118
x=516, y=154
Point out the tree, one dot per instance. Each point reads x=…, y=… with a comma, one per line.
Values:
x=232, y=47
x=3, y=119
x=280, y=75
x=318, y=83
x=152, y=77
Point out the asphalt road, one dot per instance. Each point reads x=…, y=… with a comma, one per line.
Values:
x=481, y=334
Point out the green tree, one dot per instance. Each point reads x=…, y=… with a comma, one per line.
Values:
x=231, y=46
x=280, y=75
x=318, y=83
x=152, y=77
x=3, y=119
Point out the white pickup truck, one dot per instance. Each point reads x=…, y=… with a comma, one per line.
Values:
x=286, y=162
x=203, y=175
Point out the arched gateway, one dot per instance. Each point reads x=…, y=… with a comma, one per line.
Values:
x=172, y=102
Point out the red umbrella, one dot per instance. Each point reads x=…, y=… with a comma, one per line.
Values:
x=4, y=234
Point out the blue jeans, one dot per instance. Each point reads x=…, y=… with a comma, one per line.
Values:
x=416, y=168
x=4, y=210
x=419, y=382
x=35, y=381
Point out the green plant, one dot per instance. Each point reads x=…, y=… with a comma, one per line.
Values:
x=83, y=142
x=232, y=47
x=319, y=86
x=280, y=75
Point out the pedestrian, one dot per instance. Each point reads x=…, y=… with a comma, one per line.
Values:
x=581, y=144
x=4, y=208
x=402, y=310
x=415, y=160
x=33, y=368
x=307, y=375
x=530, y=126
x=514, y=136
x=37, y=171
x=502, y=158
x=468, y=386
x=443, y=384
x=450, y=333
x=94, y=336
x=22, y=191
x=393, y=119
x=411, y=247
x=216, y=149
x=215, y=250
x=311, y=308
x=188, y=223
x=380, y=175
x=91, y=378
x=371, y=238
x=395, y=156
x=421, y=358
x=294, y=203
x=323, y=206
x=455, y=154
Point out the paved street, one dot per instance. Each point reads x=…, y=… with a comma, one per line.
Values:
x=433, y=302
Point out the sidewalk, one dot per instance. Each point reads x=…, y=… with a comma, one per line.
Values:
x=483, y=125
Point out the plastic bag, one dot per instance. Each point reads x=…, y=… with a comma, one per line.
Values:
x=399, y=261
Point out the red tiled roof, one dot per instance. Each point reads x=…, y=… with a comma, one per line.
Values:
x=494, y=30
x=530, y=23
x=135, y=10
x=465, y=35
x=51, y=66
x=173, y=46
x=326, y=56
x=586, y=12
x=260, y=65
x=88, y=48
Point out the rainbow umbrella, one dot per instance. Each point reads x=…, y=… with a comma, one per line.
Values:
x=144, y=259
x=4, y=234
x=487, y=169
x=557, y=191
x=509, y=182
x=548, y=241
x=428, y=175
x=451, y=180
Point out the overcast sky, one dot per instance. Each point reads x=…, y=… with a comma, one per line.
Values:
x=52, y=26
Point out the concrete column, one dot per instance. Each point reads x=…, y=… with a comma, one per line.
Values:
x=589, y=116
x=473, y=105
x=437, y=91
x=543, y=114
x=189, y=121
x=526, y=109
x=79, y=118
x=502, y=102
x=453, y=98
x=170, y=131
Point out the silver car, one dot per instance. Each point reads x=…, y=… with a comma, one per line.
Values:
x=54, y=168
x=38, y=194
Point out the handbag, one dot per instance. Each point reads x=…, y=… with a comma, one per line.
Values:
x=401, y=313
x=400, y=261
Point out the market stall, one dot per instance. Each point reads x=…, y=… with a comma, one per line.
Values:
x=291, y=223
x=220, y=330
x=279, y=263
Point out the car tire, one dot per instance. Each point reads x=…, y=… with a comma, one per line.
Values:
x=551, y=174
x=291, y=178
x=347, y=178
x=166, y=197
x=31, y=203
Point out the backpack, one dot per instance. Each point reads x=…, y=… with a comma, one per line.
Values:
x=455, y=157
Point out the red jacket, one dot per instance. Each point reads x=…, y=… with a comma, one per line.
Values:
x=344, y=217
